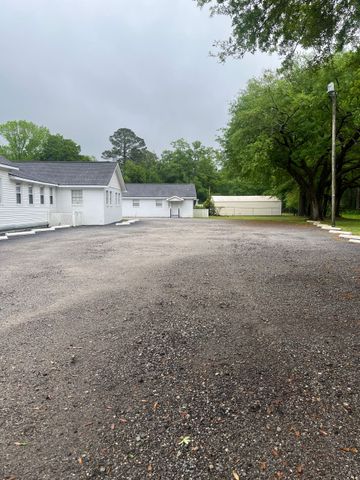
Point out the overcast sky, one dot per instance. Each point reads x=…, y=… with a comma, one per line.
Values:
x=84, y=68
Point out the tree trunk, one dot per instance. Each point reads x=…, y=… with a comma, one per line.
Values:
x=315, y=210
x=302, y=208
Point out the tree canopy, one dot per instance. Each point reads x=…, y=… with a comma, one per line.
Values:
x=59, y=149
x=24, y=140
x=280, y=128
x=190, y=163
x=325, y=26
x=126, y=145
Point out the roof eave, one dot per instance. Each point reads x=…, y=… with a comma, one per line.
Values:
x=30, y=180
x=8, y=167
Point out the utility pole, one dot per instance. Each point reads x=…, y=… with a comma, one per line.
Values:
x=332, y=92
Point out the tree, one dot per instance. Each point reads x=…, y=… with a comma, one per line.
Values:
x=144, y=171
x=210, y=205
x=25, y=140
x=60, y=149
x=190, y=163
x=326, y=26
x=280, y=127
x=125, y=146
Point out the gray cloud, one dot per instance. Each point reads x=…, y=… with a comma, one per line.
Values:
x=84, y=68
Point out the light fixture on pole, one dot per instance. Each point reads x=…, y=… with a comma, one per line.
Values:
x=332, y=92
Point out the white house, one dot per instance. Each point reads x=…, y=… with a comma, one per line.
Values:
x=159, y=200
x=55, y=193
x=247, y=205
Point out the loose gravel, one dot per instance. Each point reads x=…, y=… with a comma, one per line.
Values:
x=180, y=349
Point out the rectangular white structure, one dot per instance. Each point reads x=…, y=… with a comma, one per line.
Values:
x=247, y=205
x=36, y=194
x=159, y=200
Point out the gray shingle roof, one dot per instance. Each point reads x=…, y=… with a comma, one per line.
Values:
x=160, y=190
x=4, y=161
x=67, y=173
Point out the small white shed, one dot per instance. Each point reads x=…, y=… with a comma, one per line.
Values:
x=247, y=205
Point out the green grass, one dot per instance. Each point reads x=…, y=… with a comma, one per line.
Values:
x=348, y=222
x=285, y=218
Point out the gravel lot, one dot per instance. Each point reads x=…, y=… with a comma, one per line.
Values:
x=180, y=349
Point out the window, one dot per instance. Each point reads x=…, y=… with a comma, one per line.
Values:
x=76, y=197
x=158, y=203
x=42, y=195
x=18, y=193
x=136, y=203
x=51, y=196
x=31, y=196
x=107, y=197
x=110, y=198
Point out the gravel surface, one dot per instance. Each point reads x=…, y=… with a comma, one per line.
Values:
x=180, y=349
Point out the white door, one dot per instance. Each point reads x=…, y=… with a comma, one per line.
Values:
x=174, y=211
x=77, y=218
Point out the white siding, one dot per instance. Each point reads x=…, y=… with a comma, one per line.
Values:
x=13, y=215
x=265, y=206
x=113, y=210
x=148, y=208
x=91, y=212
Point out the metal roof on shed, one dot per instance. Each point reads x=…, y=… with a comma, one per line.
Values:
x=244, y=198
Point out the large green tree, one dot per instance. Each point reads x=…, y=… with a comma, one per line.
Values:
x=145, y=170
x=57, y=148
x=190, y=163
x=325, y=26
x=24, y=140
x=281, y=126
x=126, y=145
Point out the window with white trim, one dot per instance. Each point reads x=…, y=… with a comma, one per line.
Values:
x=51, y=196
x=42, y=195
x=77, y=197
x=107, y=197
x=111, y=197
x=31, y=196
x=18, y=193
x=158, y=203
x=136, y=203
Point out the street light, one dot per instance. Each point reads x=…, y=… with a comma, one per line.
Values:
x=332, y=93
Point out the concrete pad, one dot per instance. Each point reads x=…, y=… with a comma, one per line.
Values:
x=353, y=237
x=344, y=234
x=3, y=237
x=333, y=230
x=122, y=224
x=50, y=229
x=326, y=227
x=18, y=234
x=61, y=226
x=352, y=240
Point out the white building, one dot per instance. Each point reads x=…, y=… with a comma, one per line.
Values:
x=247, y=205
x=159, y=200
x=55, y=193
